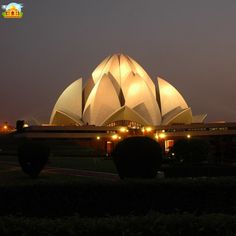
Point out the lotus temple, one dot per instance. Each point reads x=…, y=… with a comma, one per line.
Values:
x=120, y=92
x=121, y=100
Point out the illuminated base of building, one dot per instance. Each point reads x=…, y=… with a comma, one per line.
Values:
x=220, y=135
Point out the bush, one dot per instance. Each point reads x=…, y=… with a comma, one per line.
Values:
x=69, y=196
x=181, y=170
x=32, y=157
x=154, y=223
x=190, y=150
x=137, y=157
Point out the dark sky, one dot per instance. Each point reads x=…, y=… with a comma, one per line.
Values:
x=192, y=44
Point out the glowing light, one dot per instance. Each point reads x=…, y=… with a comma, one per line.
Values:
x=143, y=130
x=148, y=129
x=163, y=131
x=123, y=130
x=162, y=135
x=156, y=136
x=188, y=136
x=114, y=137
x=5, y=127
x=98, y=137
x=26, y=125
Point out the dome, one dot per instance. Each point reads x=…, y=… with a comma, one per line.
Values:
x=120, y=92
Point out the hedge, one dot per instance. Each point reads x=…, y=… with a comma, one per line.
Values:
x=120, y=198
x=150, y=224
x=197, y=170
x=32, y=157
x=137, y=157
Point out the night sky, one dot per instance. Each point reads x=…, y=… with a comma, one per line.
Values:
x=191, y=44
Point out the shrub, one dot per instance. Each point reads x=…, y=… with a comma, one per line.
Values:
x=137, y=157
x=190, y=150
x=153, y=223
x=32, y=157
x=67, y=196
x=206, y=170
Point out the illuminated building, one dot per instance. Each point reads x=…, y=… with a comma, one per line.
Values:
x=120, y=100
x=120, y=92
x=221, y=136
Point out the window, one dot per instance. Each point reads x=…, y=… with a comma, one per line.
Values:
x=128, y=123
x=168, y=145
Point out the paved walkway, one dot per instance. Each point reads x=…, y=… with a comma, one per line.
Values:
x=83, y=173
x=68, y=171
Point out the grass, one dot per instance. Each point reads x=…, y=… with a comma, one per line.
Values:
x=73, y=162
x=83, y=163
x=12, y=175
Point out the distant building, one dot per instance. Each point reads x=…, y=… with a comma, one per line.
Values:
x=121, y=93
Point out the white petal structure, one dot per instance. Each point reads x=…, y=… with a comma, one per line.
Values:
x=102, y=101
x=170, y=98
x=119, y=81
x=68, y=108
x=120, y=92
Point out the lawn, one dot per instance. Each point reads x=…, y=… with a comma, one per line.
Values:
x=81, y=163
